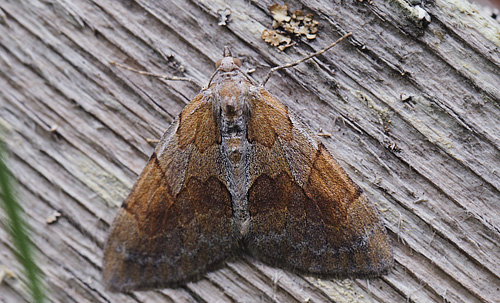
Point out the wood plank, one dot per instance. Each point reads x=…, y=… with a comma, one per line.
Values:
x=439, y=195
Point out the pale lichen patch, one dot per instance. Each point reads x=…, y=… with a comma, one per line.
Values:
x=287, y=24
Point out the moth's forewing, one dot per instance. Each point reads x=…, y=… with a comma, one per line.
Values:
x=176, y=224
x=307, y=215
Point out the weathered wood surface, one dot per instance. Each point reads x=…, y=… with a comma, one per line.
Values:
x=439, y=195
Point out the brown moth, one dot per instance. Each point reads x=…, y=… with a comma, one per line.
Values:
x=238, y=172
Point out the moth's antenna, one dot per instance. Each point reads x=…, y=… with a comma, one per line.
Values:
x=303, y=59
x=145, y=73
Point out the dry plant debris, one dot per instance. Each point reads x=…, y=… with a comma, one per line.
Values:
x=224, y=16
x=286, y=24
x=52, y=218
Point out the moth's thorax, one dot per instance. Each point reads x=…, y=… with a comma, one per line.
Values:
x=231, y=89
x=232, y=94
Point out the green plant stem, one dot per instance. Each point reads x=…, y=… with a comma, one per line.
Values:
x=19, y=234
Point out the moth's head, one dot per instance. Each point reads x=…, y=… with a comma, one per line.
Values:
x=228, y=63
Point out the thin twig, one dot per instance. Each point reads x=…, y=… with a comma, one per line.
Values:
x=140, y=72
x=303, y=59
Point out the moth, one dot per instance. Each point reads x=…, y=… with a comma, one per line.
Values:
x=238, y=172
